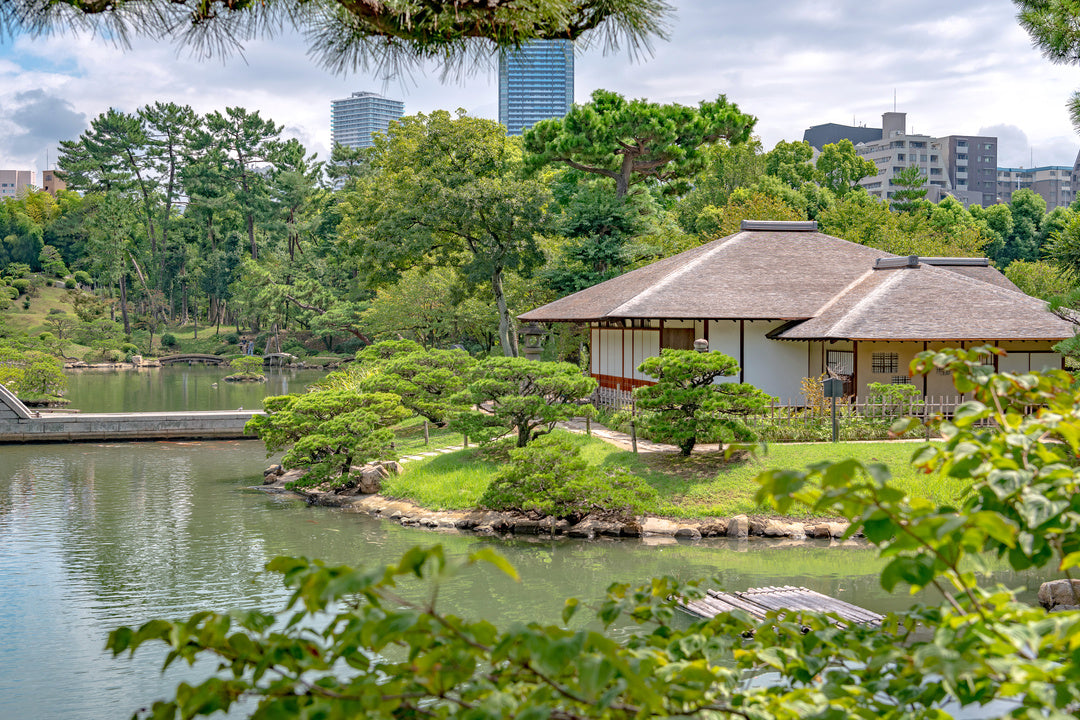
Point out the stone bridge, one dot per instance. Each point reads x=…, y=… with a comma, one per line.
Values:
x=190, y=358
x=20, y=424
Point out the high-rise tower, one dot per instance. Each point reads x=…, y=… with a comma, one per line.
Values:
x=353, y=119
x=536, y=82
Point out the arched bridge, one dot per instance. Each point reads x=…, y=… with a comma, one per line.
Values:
x=190, y=358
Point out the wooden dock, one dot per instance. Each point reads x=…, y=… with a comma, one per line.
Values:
x=759, y=601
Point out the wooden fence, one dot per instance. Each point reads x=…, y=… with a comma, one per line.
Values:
x=859, y=418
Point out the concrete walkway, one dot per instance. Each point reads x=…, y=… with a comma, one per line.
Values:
x=20, y=424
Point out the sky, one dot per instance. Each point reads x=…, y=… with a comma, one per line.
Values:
x=957, y=67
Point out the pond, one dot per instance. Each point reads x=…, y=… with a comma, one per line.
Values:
x=93, y=536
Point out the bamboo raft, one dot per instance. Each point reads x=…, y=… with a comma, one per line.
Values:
x=759, y=601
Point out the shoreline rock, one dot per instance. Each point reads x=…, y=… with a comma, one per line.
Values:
x=491, y=522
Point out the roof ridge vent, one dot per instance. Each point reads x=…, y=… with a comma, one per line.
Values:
x=780, y=225
x=960, y=261
x=911, y=261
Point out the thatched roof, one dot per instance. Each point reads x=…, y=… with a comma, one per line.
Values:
x=826, y=287
x=778, y=273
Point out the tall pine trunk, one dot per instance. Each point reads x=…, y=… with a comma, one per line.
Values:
x=507, y=336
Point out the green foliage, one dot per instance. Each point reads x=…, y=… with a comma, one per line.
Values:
x=685, y=404
x=70, y=283
x=328, y=431
x=972, y=647
x=743, y=204
x=932, y=231
x=1041, y=279
x=792, y=163
x=599, y=226
x=425, y=380
x=246, y=364
x=912, y=183
x=31, y=373
x=168, y=340
x=631, y=141
x=51, y=262
x=550, y=477
x=82, y=277
x=840, y=168
x=890, y=401
x=22, y=285
x=449, y=191
x=522, y=395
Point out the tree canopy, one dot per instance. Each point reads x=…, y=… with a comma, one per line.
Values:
x=633, y=140
x=352, y=34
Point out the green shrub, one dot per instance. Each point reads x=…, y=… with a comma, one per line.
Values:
x=82, y=277
x=168, y=340
x=232, y=338
x=247, y=365
x=887, y=402
x=26, y=304
x=549, y=476
x=129, y=349
x=22, y=285
x=329, y=432
x=70, y=283
x=12, y=292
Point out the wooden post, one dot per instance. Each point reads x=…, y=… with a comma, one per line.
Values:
x=633, y=423
x=466, y=440
x=427, y=438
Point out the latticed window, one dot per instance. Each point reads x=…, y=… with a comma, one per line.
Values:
x=901, y=380
x=884, y=362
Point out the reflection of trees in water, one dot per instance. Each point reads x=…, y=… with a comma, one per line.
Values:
x=179, y=387
x=165, y=527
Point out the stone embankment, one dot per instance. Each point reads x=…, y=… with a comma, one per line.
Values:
x=364, y=499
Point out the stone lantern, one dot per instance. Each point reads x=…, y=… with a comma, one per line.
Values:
x=701, y=345
x=532, y=336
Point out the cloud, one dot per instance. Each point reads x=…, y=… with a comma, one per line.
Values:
x=955, y=67
x=34, y=121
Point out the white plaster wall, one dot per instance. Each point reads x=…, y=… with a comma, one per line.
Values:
x=646, y=344
x=610, y=352
x=775, y=366
x=724, y=337
x=1022, y=362
x=1014, y=362
x=629, y=343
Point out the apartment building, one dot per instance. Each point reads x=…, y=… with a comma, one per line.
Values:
x=355, y=118
x=14, y=181
x=1054, y=182
x=963, y=166
x=536, y=82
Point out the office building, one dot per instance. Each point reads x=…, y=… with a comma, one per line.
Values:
x=1054, y=182
x=536, y=82
x=963, y=166
x=355, y=118
x=14, y=181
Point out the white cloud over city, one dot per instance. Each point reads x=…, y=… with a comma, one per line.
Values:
x=962, y=67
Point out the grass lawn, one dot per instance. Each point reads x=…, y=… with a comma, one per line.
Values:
x=698, y=486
